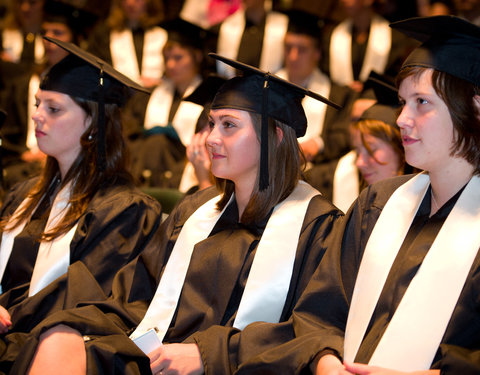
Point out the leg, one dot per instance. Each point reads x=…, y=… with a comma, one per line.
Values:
x=61, y=351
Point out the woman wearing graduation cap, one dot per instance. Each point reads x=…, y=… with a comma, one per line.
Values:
x=406, y=280
x=238, y=252
x=83, y=212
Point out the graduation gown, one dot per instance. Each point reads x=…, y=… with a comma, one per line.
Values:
x=117, y=225
x=158, y=128
x=213, y=287
x=319, y=320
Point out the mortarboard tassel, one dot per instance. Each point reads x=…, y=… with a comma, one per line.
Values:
x=264, y=174
x=101, y=125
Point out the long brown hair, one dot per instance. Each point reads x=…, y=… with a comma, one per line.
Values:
x=84, y=174
x=284, y=165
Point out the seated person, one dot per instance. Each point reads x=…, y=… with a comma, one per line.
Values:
x=83, y=210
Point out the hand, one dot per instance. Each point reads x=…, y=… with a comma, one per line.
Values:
x=178, y=359
x=361, y=369
x=310, y=149
x=329, y=365
x=197, y=154
x=33, y=156
x=5, y=320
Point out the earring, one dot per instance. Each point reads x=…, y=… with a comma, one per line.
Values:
x=90, y=137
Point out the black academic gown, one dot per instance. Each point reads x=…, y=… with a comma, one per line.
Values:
x=210, y=297
x=117, y=225
x=319, y=319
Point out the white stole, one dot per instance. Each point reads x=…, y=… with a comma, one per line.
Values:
x=413, y=335
x=53, y=257
x=314, y=109
x=185, y=119
x=13, y=45
x=269, y=278
x=376, y=56
x=32, y=90
x=124, y=57
x=189, y=178
x=346, y=185
x=230, y=36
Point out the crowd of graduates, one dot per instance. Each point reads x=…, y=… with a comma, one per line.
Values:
x=239, y=186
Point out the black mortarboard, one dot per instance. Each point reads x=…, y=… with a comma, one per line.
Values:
x=205, y=92
x=203, y=95
x=302, y=22
x=268, y=95
x=449, y=44
x=83, y=75
x=386, y=94
x=185, y=33
x=78, y=20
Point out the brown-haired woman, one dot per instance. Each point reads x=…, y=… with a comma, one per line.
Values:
x=83, y=212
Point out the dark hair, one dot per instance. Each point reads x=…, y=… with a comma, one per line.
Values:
x=458, y=96
x=154, y=14
x=284, y=165
x=386, y=133
x=85, y=174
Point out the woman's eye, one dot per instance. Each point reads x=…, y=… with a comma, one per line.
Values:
x=53, y=109
x=422, y=101
x=228, y=124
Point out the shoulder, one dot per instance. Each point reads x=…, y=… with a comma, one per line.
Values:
x=119, y=197
x=377, y=194
x=191, y=202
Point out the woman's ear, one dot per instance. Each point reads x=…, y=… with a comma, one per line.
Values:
x=279, y=134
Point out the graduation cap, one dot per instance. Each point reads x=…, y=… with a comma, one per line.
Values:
x=386, y=94
x=268, y=95
x=302, y=22
x=185, y=33
x=205, y=92
x=449, y=44
x=78, y=20
x=203, y=95
x=83, y=75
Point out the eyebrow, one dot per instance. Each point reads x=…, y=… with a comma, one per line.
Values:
x=227, y=115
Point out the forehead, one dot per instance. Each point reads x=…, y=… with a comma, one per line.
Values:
x=419, y=81
x=301, y=39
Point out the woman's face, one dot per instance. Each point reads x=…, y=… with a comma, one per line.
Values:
x=383, y=162
x=60, y=31
x=233, y=146
x=180, y=65
x=425, y=124
x=134, y=9
x=59, y=124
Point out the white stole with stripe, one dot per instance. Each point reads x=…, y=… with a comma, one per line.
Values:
x=230, y=36
x=124, y=57
x=314, y=109
x=376, y=56
x=12, y=40
x=33, y=86
x=414, y=334
x=53, y=257
x=185, y=119
x=269, y=278
x=346, y=185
